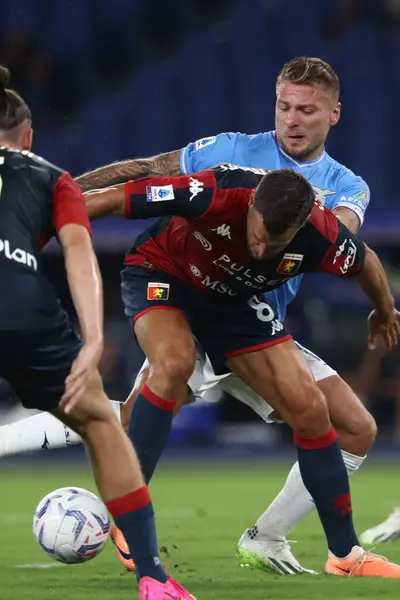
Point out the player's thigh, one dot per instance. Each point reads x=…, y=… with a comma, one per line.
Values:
x=159, y=308
x=280, y=375
x=245, y=338
x=237, y=328
x=38, y=362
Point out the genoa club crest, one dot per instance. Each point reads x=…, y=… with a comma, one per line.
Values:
x=290, y=264
x=157, y=291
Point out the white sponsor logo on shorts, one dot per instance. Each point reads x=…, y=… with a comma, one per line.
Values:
x=265, y=313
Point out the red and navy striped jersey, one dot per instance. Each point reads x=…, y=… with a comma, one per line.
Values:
x=202, y=237
x=36, y=200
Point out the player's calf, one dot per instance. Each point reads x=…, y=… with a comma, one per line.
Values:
x=294, y=394
x=118, y=477
x=355, y=427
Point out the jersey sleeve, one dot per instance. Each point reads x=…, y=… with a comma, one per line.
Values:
x=185, y=196
x=354, y=195
x=344, y=252
x=208, y=152
x=68, y=205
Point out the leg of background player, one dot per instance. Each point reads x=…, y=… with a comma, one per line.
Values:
x=295, y=396
x=387, y=531
x=40, y=432
x=356, y=430
x=120, y=483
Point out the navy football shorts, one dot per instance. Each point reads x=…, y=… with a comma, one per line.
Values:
x=37, y=362
x=223, y=331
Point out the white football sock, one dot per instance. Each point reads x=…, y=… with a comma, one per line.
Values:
x=294, y=502
x=40, y=432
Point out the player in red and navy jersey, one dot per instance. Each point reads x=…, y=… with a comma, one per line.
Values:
x=40, y=355
x=228, y=235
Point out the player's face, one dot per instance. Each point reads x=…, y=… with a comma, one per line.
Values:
x=260, y=242
x=303, y=116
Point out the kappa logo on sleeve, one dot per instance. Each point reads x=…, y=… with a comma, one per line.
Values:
x=195, y=187
x=157, y=291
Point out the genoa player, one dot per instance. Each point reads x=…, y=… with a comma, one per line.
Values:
x=228, y=235
x=307, y=106
x=40, y=355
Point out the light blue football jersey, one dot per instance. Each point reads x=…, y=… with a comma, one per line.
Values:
x=333, y=183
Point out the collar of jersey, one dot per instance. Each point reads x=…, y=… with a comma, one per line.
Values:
x=299, y=164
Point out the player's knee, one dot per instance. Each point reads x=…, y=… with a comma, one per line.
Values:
x=365, y=435
x=176, y=364
x=105, y=425
x=369, y=430
x=93, y=406
x=311, y=415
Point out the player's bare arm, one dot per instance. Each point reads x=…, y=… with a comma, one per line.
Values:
x=167, y=164
x=384, y=319
x=85, y=285
x=108, y=202
x=348, y=217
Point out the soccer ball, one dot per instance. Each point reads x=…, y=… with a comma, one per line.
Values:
x=71, y=525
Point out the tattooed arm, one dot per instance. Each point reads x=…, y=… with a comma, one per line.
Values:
x=167, y=164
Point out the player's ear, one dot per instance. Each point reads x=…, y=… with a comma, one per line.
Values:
x=251, y=199
x=27, y=139
x=335, y=115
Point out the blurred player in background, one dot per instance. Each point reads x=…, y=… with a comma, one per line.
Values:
x=40, y=355
x=307, y=106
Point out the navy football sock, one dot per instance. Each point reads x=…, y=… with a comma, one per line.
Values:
x=324, y=475
x=134, y=515
x=149, y=429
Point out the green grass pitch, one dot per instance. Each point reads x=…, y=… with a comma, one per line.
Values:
x=201, y=512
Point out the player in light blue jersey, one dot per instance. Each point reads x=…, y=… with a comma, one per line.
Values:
x=307, y=107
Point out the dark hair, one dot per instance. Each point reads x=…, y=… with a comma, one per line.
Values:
x=285, y=199
x=312, y=71
x=13, y=109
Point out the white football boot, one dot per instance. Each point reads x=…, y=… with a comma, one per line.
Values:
x=268, y=555
x=387, y=531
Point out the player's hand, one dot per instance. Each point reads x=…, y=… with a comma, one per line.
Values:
x=82, y=370
x=387, y=327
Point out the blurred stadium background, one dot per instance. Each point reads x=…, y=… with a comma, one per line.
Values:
x=112, y=80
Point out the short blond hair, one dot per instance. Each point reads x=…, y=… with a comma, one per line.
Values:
x=310, y=71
